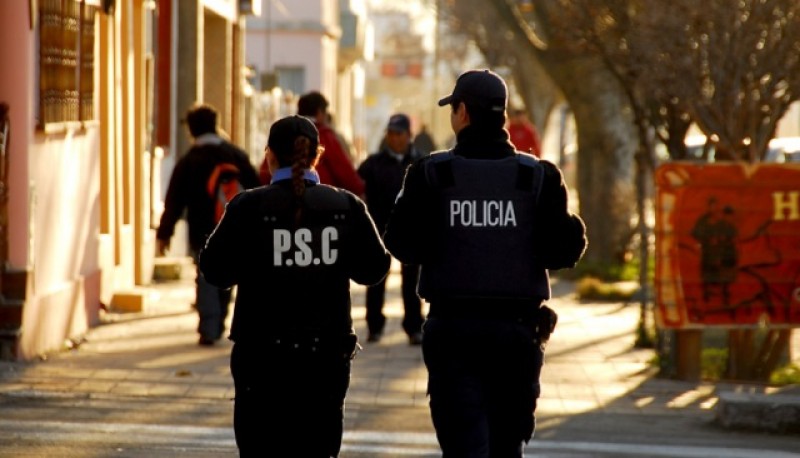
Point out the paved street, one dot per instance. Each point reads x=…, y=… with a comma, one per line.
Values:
x=140, y=386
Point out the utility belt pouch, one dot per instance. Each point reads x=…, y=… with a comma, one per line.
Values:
x=350, y=346
x=545, y=323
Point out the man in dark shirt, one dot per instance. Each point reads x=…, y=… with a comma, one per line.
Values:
x=383, y=174
x=188, y=190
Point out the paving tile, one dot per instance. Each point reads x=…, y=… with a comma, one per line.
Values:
x=591, y=366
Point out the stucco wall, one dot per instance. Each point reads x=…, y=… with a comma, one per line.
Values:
x=65, y=207
x=16, y=86
x=65, y=188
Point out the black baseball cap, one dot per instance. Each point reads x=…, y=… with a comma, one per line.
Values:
x=283, y=133
x=399, y=123
x=482, y=88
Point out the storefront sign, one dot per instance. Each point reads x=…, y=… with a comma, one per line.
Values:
x=727, y=245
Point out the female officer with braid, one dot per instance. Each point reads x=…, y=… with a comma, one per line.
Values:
x=292, y=248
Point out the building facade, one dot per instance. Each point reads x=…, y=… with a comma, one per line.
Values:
x=318, y=45
x=94, y=92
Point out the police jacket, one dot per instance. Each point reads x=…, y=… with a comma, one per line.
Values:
x=483, y=204
x=293, y=277
x=187, y=189
x=383, y=174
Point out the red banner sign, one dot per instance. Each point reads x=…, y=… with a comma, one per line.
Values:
x=727, y=245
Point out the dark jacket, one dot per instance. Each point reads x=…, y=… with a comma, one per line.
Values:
x=561, y=234
x=383, y=176
x=293, y=276
x=187, y=190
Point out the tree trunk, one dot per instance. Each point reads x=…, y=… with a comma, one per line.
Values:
x=754, y=359
x=535, y=86
x=607, y=137
x=607, y=142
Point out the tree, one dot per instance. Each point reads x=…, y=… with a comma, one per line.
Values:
x=732, y=68
x=739, y=65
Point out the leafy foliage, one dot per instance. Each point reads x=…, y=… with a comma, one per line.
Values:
x=731, y=67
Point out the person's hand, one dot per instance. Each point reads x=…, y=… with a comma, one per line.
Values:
x=162, y=246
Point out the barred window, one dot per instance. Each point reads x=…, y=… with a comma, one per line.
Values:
x=66, y=65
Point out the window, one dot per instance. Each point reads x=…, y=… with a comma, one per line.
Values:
x=66, y=65
x=292, y=79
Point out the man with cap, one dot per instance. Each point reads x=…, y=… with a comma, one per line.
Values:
x=383, y=174
x=486, y=223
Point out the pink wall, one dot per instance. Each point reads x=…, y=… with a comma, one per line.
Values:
x=53, y=200
x=16, y=88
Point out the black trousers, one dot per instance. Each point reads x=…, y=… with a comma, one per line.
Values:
x=483, y=383
x=412, y=304
x=289, y=401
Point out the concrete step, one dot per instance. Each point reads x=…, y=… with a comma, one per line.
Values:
x=776, y=412
x=170, y=268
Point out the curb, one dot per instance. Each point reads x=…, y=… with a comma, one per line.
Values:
x=774, y=413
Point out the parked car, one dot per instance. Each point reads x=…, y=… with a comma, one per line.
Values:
x=780, y=149
x=783, y=149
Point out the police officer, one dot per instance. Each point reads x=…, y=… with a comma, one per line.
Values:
x=486, y=223
x=292, y=248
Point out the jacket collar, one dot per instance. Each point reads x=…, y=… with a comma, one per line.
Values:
x=475, y=143
x=208, y=139
x=285, y=173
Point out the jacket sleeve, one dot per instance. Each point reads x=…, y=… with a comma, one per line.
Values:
x=409, y=232
x=365, y=172
x=219, y=261
x=562, y=236
x=176, y=199
x=370, y=261
x=339, y=166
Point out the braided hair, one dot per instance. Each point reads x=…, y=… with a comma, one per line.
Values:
x=294, y=142
x=303, y=157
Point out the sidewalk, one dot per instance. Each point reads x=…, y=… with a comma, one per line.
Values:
x=592, y=374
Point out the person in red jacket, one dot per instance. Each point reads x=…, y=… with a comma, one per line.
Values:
x=523, y=134
x=334, y=167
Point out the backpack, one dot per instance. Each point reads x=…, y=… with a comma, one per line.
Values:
x=223, y=185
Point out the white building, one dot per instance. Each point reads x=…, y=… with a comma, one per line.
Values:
x=304, y=45
x=403, y=76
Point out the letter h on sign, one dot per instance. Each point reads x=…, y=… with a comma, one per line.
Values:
x=786, y=206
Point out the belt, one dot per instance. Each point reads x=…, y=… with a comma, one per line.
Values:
x=485, y=308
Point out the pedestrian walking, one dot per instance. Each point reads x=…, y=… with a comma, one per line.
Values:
x=523, y=134
x=334, y=167
x=292, y=248
x=423, y=141
x=486, y=223
x=209, y=174
x=383, y=174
